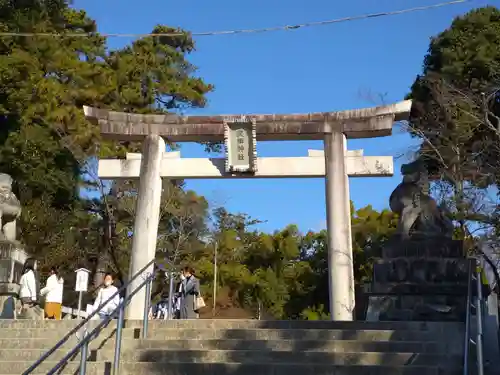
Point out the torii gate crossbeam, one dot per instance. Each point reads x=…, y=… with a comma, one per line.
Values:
x=175, y=167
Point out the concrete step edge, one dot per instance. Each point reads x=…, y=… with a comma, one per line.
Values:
x=231, y=350
x=414, y=325
x=176, y=329
x=199, y=353
x=245, y=351
x=211, y=368
x=249, y=337
x=142, y=341
x=246, y=364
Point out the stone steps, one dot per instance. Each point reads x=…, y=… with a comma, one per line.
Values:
x=240, y=347
x=236, y=334
x=50, y=334
x=134, y=368
x=66, y=325
x=48, y=343
x=285, y=357
x=336, y=346
x=243, y=356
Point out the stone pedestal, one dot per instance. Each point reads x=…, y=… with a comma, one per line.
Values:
x=8, y=300
x=12, y=258
x=419, y=279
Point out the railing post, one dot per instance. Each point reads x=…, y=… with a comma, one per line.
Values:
x=84, y=354
x=170, y=294
x=479, y=317
x=147, y=303
x=79, y=308
x=118, y=343
x=470, y=272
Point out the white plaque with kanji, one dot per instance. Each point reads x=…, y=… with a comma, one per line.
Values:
x=240, y=142
x=82, y=280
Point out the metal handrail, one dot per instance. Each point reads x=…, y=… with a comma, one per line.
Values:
x=496, y=274
x=471, y=268
x=479, y=323
x=474, y=275
x=492, y=265
x=83, y=344
x=85, y=321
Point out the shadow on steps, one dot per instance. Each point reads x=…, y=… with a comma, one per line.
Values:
x=307, y=348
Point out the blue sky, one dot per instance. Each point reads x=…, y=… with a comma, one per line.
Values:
x=322, y=68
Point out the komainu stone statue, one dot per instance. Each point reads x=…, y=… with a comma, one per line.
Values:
x=12, y=254
x=417, y=210
x=422, y=273
x=10, y=209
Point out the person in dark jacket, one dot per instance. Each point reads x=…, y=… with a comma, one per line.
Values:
x=190, y=290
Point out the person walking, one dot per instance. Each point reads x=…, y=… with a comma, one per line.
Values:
x=28, y=292
x=190, y=291
x=53, y=293
x=178, y=296
x=105, y=293
x=161, y=308
x=109, y=309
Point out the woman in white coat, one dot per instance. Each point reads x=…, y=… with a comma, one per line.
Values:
x=53, y=293
x=28, y=292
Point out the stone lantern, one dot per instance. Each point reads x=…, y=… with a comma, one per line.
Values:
x=12, y=254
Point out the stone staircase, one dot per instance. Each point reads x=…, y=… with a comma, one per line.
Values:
x=246, y=347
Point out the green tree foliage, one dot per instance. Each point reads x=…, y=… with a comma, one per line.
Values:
x=370, y=230
x=181, y=229
x=463, y=57
x=45, y=81
x=153, y=74
x=48, y=146
x=285, y=273
x=455, y=112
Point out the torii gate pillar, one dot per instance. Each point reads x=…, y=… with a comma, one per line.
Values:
x=340, y=258
x=147, y=217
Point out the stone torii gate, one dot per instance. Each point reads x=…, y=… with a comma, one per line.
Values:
x=240, y=133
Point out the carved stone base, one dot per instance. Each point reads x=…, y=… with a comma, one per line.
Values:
x=421, y=279
x=420, y=270
x=416, y=308
x=421, y=245
x=12, y=258
x=8, y=300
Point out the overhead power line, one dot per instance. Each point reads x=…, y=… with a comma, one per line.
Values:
x=245, y=31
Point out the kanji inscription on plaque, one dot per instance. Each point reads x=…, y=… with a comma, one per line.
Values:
x=240, y=142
